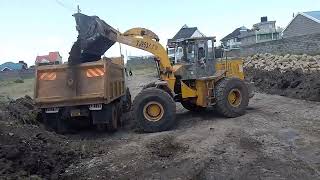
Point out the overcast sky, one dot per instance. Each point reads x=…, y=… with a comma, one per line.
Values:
x=35, y=27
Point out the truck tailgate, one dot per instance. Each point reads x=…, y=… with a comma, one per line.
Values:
x=91, y=84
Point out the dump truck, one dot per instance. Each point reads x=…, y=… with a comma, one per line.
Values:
x=87, y=90
x=98, y=96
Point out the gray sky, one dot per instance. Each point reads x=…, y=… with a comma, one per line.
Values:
x=35, y=27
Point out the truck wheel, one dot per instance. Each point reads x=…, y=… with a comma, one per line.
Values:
x=232, y=97
x=113, y=120
x=154, y=110
x=192, y=107
x=54, y=122
x=50, y=121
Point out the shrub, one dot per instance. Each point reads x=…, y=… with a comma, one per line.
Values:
x=19, y=81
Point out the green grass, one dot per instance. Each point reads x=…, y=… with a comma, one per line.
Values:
x=143, y=70
x=14, y=90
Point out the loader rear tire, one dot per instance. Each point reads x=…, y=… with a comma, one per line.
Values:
x=192, y=107
x=232, y=97
x=154, y=110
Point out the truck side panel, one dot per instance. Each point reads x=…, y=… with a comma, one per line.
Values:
x=116, y=81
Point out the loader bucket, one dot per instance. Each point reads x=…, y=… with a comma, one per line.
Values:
x=94, y=39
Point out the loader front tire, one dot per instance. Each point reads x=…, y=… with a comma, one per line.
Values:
x=154, y=110
x=232, y=97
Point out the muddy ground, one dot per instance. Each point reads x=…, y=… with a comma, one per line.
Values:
x=278, y=138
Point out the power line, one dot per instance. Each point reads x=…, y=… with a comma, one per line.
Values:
x=64, y=5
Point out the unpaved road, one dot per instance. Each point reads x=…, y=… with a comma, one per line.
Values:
x=278, y=138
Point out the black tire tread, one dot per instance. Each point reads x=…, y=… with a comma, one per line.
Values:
x=153, y=91
x=221, y=98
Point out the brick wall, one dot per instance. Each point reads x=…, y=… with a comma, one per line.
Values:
x=307, y=44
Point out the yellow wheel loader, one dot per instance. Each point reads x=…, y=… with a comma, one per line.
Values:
x=197, y=80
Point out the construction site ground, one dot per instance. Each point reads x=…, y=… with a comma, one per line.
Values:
x=278, y=138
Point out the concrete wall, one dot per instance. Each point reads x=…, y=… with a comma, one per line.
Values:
x=307, y=44
x=232, y=53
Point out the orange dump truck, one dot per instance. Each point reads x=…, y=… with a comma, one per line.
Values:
x=87, y=94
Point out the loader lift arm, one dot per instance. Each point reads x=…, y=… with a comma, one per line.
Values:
x=96, y=36
x=146, y=40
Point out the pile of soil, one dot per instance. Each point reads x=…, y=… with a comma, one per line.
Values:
x=23, y=110
x=294, y=84
x=26, y=148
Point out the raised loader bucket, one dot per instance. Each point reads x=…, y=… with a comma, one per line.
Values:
x=94, y=39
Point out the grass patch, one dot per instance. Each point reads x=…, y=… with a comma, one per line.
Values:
x=14, y=90
x=143, y=69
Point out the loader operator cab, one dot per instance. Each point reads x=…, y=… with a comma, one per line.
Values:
x=197, y=59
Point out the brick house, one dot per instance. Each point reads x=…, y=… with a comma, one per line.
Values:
x=51, y=58
x=232, y=40
x=303, y=23
x=261, y=32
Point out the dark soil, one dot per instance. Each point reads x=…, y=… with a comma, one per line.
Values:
x=294, y=84
x=26, y=149
x=166, y=147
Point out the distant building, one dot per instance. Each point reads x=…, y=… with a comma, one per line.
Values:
x=261, y=32
x=52, y=58
x=303, y=23
x=11, y=66
x=232, y=40
x=186, y=32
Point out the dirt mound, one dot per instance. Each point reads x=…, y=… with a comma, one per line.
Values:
x=38, y=156
x=294, y=84
x=26, y=149
x=22, y=109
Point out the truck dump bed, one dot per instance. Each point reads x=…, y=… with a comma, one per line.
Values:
x=95, y=82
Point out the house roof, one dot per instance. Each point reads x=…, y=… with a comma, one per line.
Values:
x=234, y=34
x=313, y=15
x=51, y=57
x=11, y=66
x=185, y=32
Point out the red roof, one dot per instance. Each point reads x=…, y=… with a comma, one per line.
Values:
x=52, y=57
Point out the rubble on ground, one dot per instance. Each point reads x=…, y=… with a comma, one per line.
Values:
x=270, y=62
x=295, y=76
